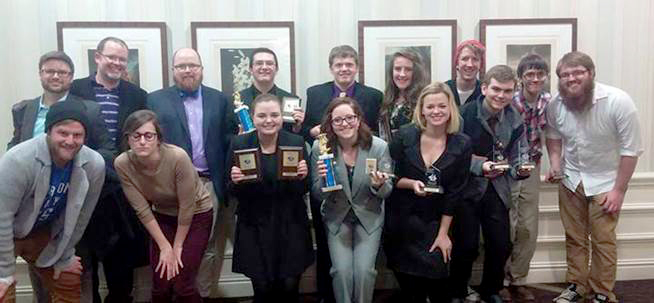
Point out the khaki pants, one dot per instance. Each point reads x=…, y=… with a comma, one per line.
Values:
x=582, y=216
x=66, y=289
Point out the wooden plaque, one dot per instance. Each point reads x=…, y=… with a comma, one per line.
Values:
x=248, y=161
x=288, y=159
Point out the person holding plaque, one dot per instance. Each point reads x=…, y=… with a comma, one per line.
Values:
x=354, y=215
x=432, y=161
x=273, y=243
x=169, y=198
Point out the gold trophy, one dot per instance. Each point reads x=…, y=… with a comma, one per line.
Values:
x=328, y=158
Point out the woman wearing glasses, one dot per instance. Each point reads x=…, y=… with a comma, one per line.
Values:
x=353, y=216
x=162, y=185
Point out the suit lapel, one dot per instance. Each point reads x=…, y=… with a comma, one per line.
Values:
x=341, y=174
x=178, y=105
x=207, y=112
x=29, y=118
x=359, y=179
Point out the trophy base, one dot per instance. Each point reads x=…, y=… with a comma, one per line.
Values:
x=528, y=166
x=434, y=190
x=289, y=174
x=249, y=177
x=332, y=188
x=500, y=166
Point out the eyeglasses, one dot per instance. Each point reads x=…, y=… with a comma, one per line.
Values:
x=182, y=67
x=338, y=121
x=112, y=58
x=149, y=136
x=531, y=76
x=575, y=74
x=53, y=72
x=260, y=63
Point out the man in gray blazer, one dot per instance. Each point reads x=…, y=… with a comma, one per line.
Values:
x=49, y=186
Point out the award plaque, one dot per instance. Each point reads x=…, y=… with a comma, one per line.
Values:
x=433, y=176
x=500, y=162
x=525, y=159
x=371, y=166
x=288, y=158
x=248, y=161
x=328, y=159
x=289, y=104
x=242, y=111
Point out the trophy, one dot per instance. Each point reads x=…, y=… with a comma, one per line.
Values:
x=525, y=159
x=248, y=161
x=500, y=162
x=328, y=159
x=287, y=161
x=433, y=185
x=242, y=111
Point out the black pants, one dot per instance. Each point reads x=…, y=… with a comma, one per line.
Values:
x=493, y=216
x=323, y=260
x=282, y=290
x=415, y=289
x=118, y=274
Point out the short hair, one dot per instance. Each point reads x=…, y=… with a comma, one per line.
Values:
x=343, y=51
x=476, y=47
x=264, y=98
x=177, y=51
x=418, y=81
x=57, y=55
x=364, y=134
x=104, y=41
x=531, y=61
x=454, y=123
x=501, y=73
x=136, y=120
x=263, y=50
x=576, y=58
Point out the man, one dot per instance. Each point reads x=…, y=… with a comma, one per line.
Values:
x=468, y=60
x=530, y=100
x=49, y=186
x=596, y=127
x=196, y=118
x=264, y=68
x=497, y=131
x=124, y=242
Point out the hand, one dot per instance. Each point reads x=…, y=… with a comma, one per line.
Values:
x=377, y=178
x=322, y=168
x=240, y=129
x=612, y=202
x=445, y=245
x=298, y=116
x=75, y=267
x=177, y=250
x=489, y=172
x=552, y=173
x=167, y=263
x=419, y=188
x=302, y=169
x=236, y=174
x=315, y=131
x=524, y=172
x=3, y=289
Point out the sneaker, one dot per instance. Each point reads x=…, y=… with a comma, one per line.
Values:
x=523, y=293
x=568, y=295
x=505, y=294
x=599, y=298
x=472, y=296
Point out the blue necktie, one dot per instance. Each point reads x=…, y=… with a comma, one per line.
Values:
x=186, y=94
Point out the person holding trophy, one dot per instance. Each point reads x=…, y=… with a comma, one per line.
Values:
x=352, y=177
x=432, y=161
x=268, y=177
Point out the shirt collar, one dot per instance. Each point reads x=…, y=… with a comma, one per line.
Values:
x=348, y=92
x=42, y=106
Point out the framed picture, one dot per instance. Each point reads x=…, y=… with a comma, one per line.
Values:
x=226, y=47
x=147, y=64
x=433, y=40
x=508, y=40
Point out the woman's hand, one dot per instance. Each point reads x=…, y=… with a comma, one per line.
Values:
x=443, y=243
x=322, y=168
x=419, y=188
x=167, y=263
x=377, y=179
x=236, y=174
x=177, y=250
x=302, y=169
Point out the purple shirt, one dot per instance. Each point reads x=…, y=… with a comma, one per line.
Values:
x=193, y=108
x=336, y=91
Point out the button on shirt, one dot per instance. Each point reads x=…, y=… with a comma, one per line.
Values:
x=594, y=141
x=194, y=116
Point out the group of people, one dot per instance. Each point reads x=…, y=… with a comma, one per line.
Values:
x=419, y=169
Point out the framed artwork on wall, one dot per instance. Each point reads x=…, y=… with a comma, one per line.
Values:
x=147, y=64
x=226, y=47
x=433, y=40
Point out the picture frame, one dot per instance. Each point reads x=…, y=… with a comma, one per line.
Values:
x=147, y=65
x=431, y=39
x=507, y=40
x=229, y=45
x=287, y=161
x=250, y=164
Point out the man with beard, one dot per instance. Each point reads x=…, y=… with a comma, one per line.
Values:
x=122, y=247
x=468, y=60
x=593, y=142
x=197, y=118
x=49, y=186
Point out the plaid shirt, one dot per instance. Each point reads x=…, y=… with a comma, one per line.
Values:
x=535, y=120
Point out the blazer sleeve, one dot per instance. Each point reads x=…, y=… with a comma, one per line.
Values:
x=17, y=113
x=12, y=188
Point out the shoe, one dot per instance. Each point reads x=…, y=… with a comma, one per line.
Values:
x=457, y=300
x=472, y=296
x=600, y=298
x=505, y=294
x=493, y=299
x=568, y=295
x=523, y=293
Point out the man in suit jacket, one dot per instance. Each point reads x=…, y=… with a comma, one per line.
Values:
x=49, y=186
x=197, y=118
x=124, y=247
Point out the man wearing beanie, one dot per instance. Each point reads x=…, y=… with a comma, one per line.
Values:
x=49, y=186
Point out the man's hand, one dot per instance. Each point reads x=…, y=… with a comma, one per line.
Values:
x=489, y=171
x=298, y=116
x=443, y=244
x=612, y=202
x=236, y=174
x=74, y=268
x=302, y=169
x=315, y=131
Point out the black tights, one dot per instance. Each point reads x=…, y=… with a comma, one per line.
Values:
x=415, y=289
x=280, y=290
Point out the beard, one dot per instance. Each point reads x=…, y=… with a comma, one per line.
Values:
x=580, y=102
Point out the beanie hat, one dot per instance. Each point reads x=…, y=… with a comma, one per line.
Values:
x=64, y=110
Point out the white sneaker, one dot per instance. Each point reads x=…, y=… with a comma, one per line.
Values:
x=472, y=296
x=568, y=295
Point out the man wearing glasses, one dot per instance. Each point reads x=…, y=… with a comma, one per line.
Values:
x=197, y=118
x=593, y=142
x=123, y=247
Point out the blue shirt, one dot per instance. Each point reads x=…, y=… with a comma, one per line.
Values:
x=109, y=102
x=39, y=123
x=55, y=199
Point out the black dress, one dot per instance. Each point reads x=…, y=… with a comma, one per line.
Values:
x=273, y=239
x=412, y=222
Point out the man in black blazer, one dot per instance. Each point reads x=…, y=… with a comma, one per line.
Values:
x=197, y=118
x=123, y=246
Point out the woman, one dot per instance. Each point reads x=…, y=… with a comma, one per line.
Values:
x=353, y=216
x=405, y=78
x=164, y=189
x=273, y=243
x=430, y=155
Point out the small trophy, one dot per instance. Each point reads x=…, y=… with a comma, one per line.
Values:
x=242, y=111
x=433, y=185
x=500, y=162
x=248, y=161
x=289, y=104
x=525, y=159
x=287, y=161
x=327, y=158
